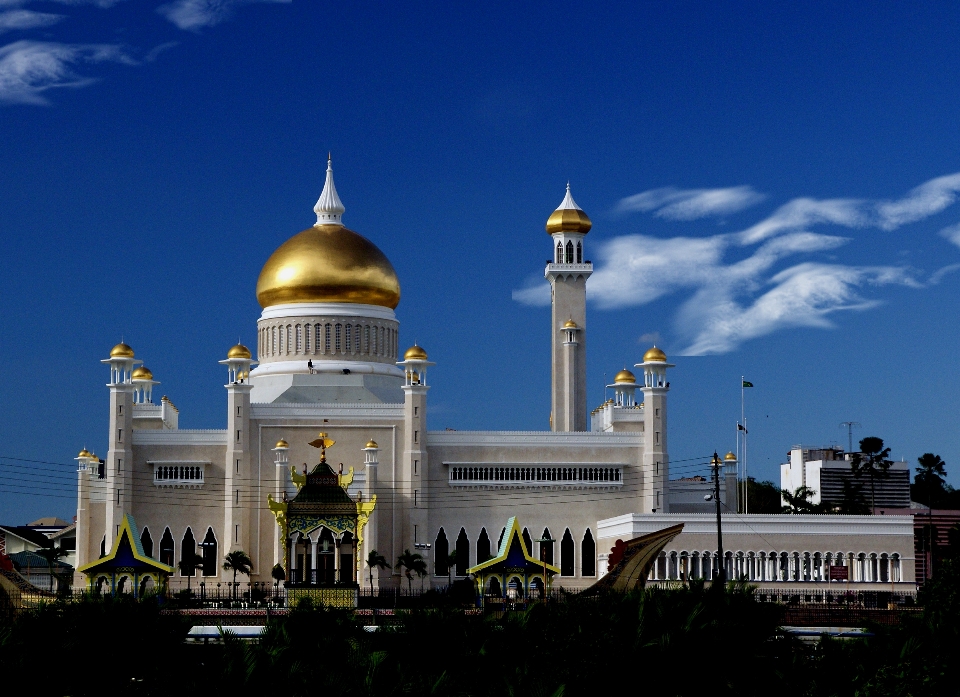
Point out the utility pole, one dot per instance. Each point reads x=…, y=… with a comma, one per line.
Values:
x=721, y=569
x=850, y=425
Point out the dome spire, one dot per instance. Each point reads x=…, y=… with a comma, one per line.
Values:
x=568, y=217
x=329, y=208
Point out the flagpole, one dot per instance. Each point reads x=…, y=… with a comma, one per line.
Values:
x=743, y=420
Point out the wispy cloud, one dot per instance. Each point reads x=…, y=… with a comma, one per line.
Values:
x=12, y=20
x=30, y=68
x=193, y=15
x=690, y=204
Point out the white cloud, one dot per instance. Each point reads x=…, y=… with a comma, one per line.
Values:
x=927, y=199
x=195, y=14
x=26, y=19
x=690, y=204
x=804, y=295
x=535, y=292
x=29, y=68
x=952, y=233
x=803, y=212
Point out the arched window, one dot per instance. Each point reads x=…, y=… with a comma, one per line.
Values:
x=569, y=252
x=273, y=340
x=166, y=548
x=299, y=339
x=210, y=557
x=336, y=338
x=579, y=252
x=567, y=558
x=546, y=548
x=559, y=252
x=317, y=338
x=356, y=338
x=588, y=555
x=441, y=550
x=281, y=344
x=307, y=334
x=366, y=339
x=326, y=338
x=527, y=541
x=463, y=553
x=373, y=342
x=483, y=546
x=188, y=552
x=146, y=542
x=347, y=348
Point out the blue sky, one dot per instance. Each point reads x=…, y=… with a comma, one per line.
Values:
x=773, y=189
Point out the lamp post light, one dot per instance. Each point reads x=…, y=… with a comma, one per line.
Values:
x=544, y=561
x=716, y=463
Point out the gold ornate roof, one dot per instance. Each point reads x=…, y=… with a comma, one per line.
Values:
x=141, y=373
x=415, y=353
x=121, y=350
x=328, y=263
x=569, y=324
x=625, y=376
x=239, y=351
x=372, y=444
x=655, y=354
x=282, y=444
x=569, y=217
x=730, y=457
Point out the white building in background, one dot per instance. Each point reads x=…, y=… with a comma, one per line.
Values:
x=329, y=359
x=828, y=471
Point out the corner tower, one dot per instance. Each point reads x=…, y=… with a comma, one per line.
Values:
x=656, y=457
x=568, y=273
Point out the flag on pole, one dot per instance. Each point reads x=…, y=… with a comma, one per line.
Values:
x=740, y=427
x=747, y=383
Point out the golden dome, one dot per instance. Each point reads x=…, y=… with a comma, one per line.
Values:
x=141, y=373
x=656, y=355
x=730, y=457
x=239, y=351
x=121, y=350
x=415, y=353
x=569, y=217
x=569, y=324
x=372, y=444
x=328, y=263
x=625, y=376
x=84, y=454
x=282, y=444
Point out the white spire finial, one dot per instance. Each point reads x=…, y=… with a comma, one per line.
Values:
x=568, y=203
x=329, y=208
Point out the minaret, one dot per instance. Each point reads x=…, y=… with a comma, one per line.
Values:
x=568, y=274
x=86, y=467
x=656, y=460
x=412, y=486
x=119, y=464
x=239, y=489
x=282, y=462
x=371, y=461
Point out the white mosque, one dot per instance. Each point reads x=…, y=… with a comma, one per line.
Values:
x=330, y=361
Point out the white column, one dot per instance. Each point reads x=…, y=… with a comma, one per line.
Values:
x=313, y=556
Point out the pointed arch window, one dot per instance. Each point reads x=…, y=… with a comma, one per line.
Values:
x=441, y=550
x=349, y=339
x=166, y=548
x=569, y=252
x=373, y=341
x=188, y=551
x=527, y=540
x=483, y=546
x=299, y=334
x=336, y=338
x=567, y=560
x=579, y=252
x=210, y=556
x=146, y=542
x=326, y=339
x=463, y=553
x=318, y=338
x=559, y=252
x=546, y=547
x=588, y=555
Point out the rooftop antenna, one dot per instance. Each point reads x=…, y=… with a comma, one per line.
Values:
x=850, y=425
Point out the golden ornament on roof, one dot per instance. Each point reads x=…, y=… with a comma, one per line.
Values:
x=569, y=324
x=730, y=457
x=141, y=373
x=239, y=351
x=372, y=444
x=568, y=220
x=625, y=376
x=655, y=355
x=121, y=350
x=415, y=353
x=322, y=441
x=282, y=444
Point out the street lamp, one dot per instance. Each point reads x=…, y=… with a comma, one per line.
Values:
x=716, y=463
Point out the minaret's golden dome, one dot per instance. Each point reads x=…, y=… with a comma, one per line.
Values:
x=655, y=354
x=372, y=444
x=328, y=263
x=84, y=454
x=625, y=376
x=281, y=444
x=239, y=351
x=121, y=350
x=141, y=373
x=569, y=217
x=730, y=457
x=415, y=353
x=569, y=324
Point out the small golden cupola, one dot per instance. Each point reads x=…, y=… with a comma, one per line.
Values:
x=624, y=389
x=730, y=457
x=654, y=355
x=239, y=351
x=121, y=350
x=568, y=217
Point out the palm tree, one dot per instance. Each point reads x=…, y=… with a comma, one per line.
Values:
x=238, y=562
x=799, y=501
x=874, y=461
x=852, y=502
x=930, y=476
x=411, y=562
x=188, y=566
x=278, y=574
x=53, y=555
x=451, y=562
x=375, y=560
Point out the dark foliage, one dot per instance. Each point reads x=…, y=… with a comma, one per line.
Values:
x=763, y=497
